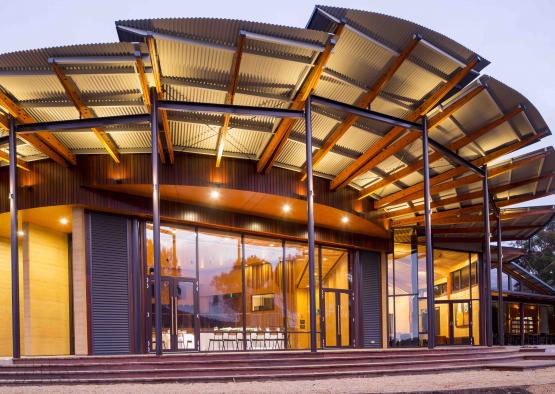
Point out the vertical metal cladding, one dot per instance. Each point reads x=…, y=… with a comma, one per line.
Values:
x=109, y=284
x=371, y=300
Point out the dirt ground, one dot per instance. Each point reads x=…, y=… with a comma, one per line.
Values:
x=540, y=381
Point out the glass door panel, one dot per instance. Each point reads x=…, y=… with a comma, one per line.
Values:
x=167, y=324
x=184, y=311
x=461, y=316
x=443, y=323
x=330, y=318
x=344, y=325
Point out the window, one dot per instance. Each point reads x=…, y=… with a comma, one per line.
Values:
x=440, y=289
x=262, y=302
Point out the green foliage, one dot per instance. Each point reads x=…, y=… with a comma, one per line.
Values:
x=540, y=254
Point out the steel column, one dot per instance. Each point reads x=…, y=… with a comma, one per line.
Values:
x=500, y=310
x=487, y=261
x=14, y=233
x=156, y=220
x=428, y=230
x=310, y=207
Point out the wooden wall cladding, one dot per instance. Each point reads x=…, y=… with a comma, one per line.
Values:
x=50, y=184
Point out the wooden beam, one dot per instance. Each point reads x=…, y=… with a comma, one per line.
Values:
x=278, y=140
x=143, y=81
x=157, y=74
x=20, y=163
x=480, y=230
x=363, y=102
x=73, y=93
x=478, y=218
x=412, y=136
x=465, y=197
x=435, y=216
x=411, y=192
x=472, y=208
x=235, y=66
x=356, y=168
x=43, y=141
x=456, y=145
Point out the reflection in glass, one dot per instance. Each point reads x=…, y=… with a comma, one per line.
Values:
x=297, y=296
x=220, y=291
x=264, y=290
x=177, y=251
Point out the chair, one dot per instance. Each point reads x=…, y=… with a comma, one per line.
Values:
x=270, y=339
x=218, y=337
x=231, y=338
x=255, y=339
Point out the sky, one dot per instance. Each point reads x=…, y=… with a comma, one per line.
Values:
x=515, y=36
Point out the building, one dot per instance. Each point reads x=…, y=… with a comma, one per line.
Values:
x=231, y=237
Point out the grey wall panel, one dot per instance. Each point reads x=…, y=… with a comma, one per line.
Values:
x=371, y=300
x=109, y=284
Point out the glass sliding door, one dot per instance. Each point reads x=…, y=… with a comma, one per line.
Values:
x=179, y=328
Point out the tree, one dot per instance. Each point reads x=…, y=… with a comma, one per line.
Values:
x=540, y=254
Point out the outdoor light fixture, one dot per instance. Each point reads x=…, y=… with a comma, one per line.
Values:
x=64, y=221
x=344, y=219
x=286, y=208
x=215, y=194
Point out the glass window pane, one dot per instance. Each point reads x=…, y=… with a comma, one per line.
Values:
x=297, y=296
x=220, y=287
x=406, y=321
x=264, y=290
x=335, y=269
x=390, y=286
x=177, y=251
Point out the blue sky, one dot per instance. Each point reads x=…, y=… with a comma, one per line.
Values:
x=516, y=36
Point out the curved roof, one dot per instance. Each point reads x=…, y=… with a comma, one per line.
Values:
x=193, y=59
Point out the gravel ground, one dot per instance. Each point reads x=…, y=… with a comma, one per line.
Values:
x=540, y=381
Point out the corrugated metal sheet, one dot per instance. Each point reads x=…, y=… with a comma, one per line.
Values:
x=272, y=72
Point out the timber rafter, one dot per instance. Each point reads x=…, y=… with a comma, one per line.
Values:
x=413, y=192
x=278, y=140
x=157, y=74
x=43, y=141
x=236, y=65
x=364, y=162
x=74, y=95
x=364, y=102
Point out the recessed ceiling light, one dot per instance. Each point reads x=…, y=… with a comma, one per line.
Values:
x=215, y=194
x=272, y=245
x=325, y=259
x=345, y=219
x=286, y=208
x=64, y=221
x=20, y=233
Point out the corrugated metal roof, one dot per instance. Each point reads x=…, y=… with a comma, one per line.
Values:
x=196, y=56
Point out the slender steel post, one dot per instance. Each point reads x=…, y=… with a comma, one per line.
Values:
x=428, y=230
x=500, y=310
x=156, y=220
x=14, y=247
x=487, y=261
x=310, y=207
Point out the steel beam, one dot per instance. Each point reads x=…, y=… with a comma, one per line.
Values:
x=156, y=220
x=487, y=261
x=428, y=230
x=14, y=233
x=228, y=109
x=500, y=310
x=310, y=207
x=367, y=114
x=76, y=124
x=453, y=157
